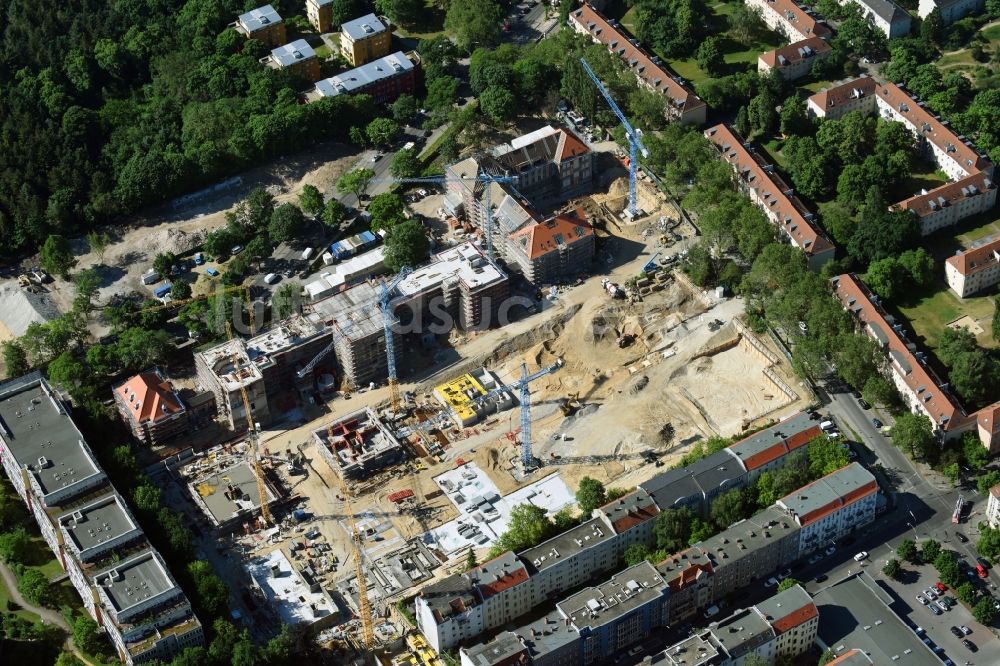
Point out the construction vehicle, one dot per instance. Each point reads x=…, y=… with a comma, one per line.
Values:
x=570, y=404
x=252, y=434
x=634, y=141
x=613, y=289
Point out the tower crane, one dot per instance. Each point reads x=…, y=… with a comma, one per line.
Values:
x=387, y=321
x=338, y=335
x=634, y=140
x=364, y=605
x=252, y=434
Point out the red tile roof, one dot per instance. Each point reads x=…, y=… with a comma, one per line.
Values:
x=798, y=20
x=796, y=618
x=149, y=397
x=656, y=75
x=850, y=655
x=785, y=206
x=948, y=194
x=549, y=235
x=944, y=411
x=976, y=259
x=796, y=52
x=838, y=95
x=570, y=146
x=507, y=581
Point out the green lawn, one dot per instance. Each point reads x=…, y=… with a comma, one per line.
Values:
x=925, y=176
x=932, y=311
x=23, y=614
x=628, y=20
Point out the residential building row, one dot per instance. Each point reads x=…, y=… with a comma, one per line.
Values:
x=465, y=605
x=970, y=271
x=922, y=390
x=758, y=180
x=124, y=583
x=385, y=79
x=795, y=60
x=950, y=10
x=993, y=507
x=972, y=189
x=891, y=19
x=600, y=621
x=683, y=105
x=790, y=19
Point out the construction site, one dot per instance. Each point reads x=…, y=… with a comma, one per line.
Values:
x=611, y=370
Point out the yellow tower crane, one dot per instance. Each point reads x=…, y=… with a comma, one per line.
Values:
x=364, y=606
x=254, y=436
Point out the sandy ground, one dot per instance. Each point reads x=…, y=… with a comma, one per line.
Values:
x=135, y=243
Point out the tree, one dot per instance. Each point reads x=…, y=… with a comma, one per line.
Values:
x=15, y=545
x=474, y=23
x=635, y=554
x=67, y=659
x=498, y=104
x=163, y=263
x=742, y=122
x=886, y=277
x=85, y=635
x=762, y=114
x=908, y=551
x=995, y=327
x=947, y=568
x=180, y=290
x=287, y=223
x=528, y=527
x=386, y=211
x=285, y=302
x=975, y=454
x=15, y=359
x=404, y=109
x=470, y=560
x=929, y=550
x=952, y=472
x=382, y=131
x=358, y=136
x=57, y=256
x=710, y=58
x=984, y=611
x=989, y=543
x=441, y=92
x=69, y=373
x=826, y=658
x=787, y=583
x=987, y=481
x=213, y=595
x=404, y=12
x=590, y=495
x=795, y=118
x=966, y=592
x=405, y=245
x=405, y=164
x=98, y=241
x=355, y=182
x=728, y=508
x=34, y=585
x=334, y=212
x=746, y=24
x=914, y=434
x=892, y=568
x=673, y=528
x=310, y=200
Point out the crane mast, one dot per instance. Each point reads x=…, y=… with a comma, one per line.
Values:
x=364, y=605
x=390, y=345
x=265, y=511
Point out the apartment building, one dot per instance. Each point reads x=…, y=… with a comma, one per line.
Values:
x=263, y=24
x=268, y=364
x=886, y=15
x=551, y=163
x=449, y=612
x=558, y=247
x=150, y=407
x=766, y=189
x=972, y=190
x=790, y=19
x=682, y=104
x=385, y=79
x=993, y=507
x=122, y=581
x=920, y=387
x=781, y=627
x=320, y=14
x=950, y=10
x=365, y=39
x=297, y=57
x=765, y=450
x=795, y=60
x=691, y=579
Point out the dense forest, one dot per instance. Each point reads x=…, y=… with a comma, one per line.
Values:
x=110, y=105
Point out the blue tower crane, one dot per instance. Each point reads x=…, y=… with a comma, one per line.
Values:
x=387, y=321
x=635, y=141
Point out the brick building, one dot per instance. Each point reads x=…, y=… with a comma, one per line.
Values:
x=320, y=14
x=384, y=79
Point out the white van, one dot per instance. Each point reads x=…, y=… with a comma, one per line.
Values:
x=827, y=425
x=307, y=254
x=150, y=277
x=271, y=278
x=711, y=612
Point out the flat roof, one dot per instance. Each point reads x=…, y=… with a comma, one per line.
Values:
x=548, y=634
x=569, y=543
x=220, y=359
x=830, y=493
x=136, y=580
x=289, y=54
x=212, y=491
x=499, y=574
x=678, y=485
x=41, y=436
x=464, y=262
x=505, y=649
x=695, y=650
x=355, y=310
x=449, y=596
x=626, y=591
x=788, y=609
x=368, y=25
x=855, y=613
x=255, y=19
x=629, y=511
x=98, y=523
x=287, y=593
x=365, y=75
x=742, y=632
x=748, y=535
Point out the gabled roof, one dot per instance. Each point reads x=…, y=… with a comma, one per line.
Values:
x=948, y=194
x=501, y=573
x=831, y=493
x=845, y=92
x=629, y=511
x=569, y=146
x=149, y=397
x=797, y=20
x=976, y=259
x=561, y=230
x=795, y=53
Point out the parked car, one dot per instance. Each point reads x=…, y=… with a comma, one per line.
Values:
x=958, y=632
x=198, y=259
x=863, y=555
x=941, y=587
x=712, y=611
x=969, y=645
x=784, y=574
x=876, y=423
x=983, y=563
x=831, y=550
x=934, y=609
x=930, y=593
x=771, y=582
x=965, y=630
x=942, y=605
x=820, y=578
x=922, y=599
x=981, y=571
x=815, y=558
x=236, y=249
x=962, y=537
x=863, y=404
x=211, y=272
